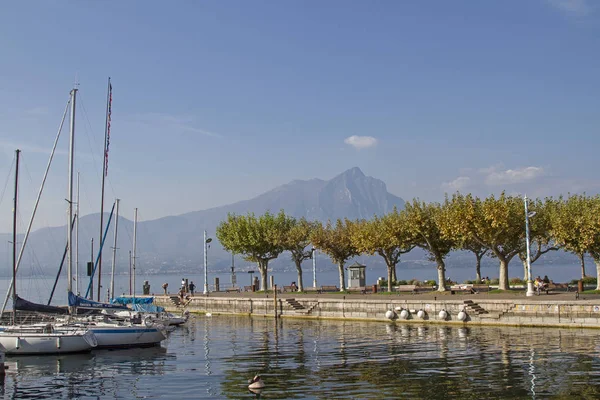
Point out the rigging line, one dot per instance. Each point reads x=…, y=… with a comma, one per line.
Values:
x=112, y=188
x=12, y=281
x=7, y=179
x=92, y=152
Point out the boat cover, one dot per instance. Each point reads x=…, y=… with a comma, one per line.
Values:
x=25, y=305
x=149, y=308
x=80, y=302
x=132, y=300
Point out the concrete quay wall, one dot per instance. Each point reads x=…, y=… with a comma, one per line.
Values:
x=518, y=312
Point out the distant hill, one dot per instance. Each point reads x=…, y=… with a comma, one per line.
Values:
x=174, y=243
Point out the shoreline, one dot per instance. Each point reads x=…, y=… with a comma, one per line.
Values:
x=558, y=310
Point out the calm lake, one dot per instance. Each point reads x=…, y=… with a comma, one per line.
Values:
x=213, y=357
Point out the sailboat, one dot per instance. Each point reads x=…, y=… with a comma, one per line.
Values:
x=143, y=307
x=110, y=332
x=42, y=338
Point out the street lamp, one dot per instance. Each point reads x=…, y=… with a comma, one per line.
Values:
x=206, y=242
x=530, y=291
x=251, y=281
x=314, y=260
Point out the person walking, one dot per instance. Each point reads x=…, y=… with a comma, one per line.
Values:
x=165, y=286
x=192, y=287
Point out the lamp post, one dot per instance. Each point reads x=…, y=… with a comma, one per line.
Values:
x=314, y=260
x=206, y=242
x=530, y=291
x=251, y=282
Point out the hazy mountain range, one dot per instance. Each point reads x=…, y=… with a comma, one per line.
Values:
x=174, y=243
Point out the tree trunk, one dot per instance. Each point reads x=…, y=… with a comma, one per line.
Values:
x=525, y=274
x=394, y=276
x=597, y=261
x=390, y=269
x=262, y=267
x=503, y=274
x=299, y=269
x=582, y=265
x=441, y=267
x=342, y=277
x=478, y=268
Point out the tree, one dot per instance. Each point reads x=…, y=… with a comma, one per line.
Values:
x=569, y=224
x=494, y=223
x=540, y=236
x=335, y=241
x=387, y=236
x=423, y=222
x=296, y=240
x=257, y=239
x=479, y=250
x=591, y=212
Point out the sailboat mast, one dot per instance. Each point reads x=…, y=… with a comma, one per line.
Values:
x=70, y=194
x=134, y=248
x=14, y=241
x=114, y=259
x=77, y=240
x=103, y=179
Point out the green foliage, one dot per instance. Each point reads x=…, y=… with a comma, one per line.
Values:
x=588, y=280
x=516, y=281
x=258, y=239
x=336, y=242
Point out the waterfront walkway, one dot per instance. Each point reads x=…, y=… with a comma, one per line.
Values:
x=561, y=296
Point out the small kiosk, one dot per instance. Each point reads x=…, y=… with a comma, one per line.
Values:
x=356, y=275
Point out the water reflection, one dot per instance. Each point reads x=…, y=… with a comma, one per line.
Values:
x=313, y=359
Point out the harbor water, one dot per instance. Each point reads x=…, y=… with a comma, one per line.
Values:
x=213, y=357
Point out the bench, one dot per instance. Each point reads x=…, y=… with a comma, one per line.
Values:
x=248, y=288
x=290, y=289
x=329, y=289
x=406, y=288
x=232, y=289
x=361, y=290
x=557, y=286
x=481, y=287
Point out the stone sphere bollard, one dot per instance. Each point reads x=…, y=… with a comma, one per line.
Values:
x=443, y=314
x=421, y=314
x=389, y=314
x=404, y=314
x=462, y=315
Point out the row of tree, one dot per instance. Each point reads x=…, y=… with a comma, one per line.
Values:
x=493, y=226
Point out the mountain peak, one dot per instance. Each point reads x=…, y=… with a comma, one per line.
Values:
x=354, y=172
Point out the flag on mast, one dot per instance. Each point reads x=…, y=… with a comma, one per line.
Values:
x=108, y=112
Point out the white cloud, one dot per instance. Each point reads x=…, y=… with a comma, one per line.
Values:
x=572, y=7
x=361, y=142
x=512, y=176
x=456, y=185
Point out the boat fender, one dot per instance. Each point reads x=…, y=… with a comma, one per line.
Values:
x=148, y=322
x=17, y=343
x=58, y=343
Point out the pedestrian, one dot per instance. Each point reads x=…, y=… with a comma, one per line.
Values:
x=183, y=284
x=165, y=287
x=192, y=287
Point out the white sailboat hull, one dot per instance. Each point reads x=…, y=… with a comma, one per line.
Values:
x=31, y=343
x=127, y=336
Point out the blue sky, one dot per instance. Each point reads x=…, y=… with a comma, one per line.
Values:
x=219, y=101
